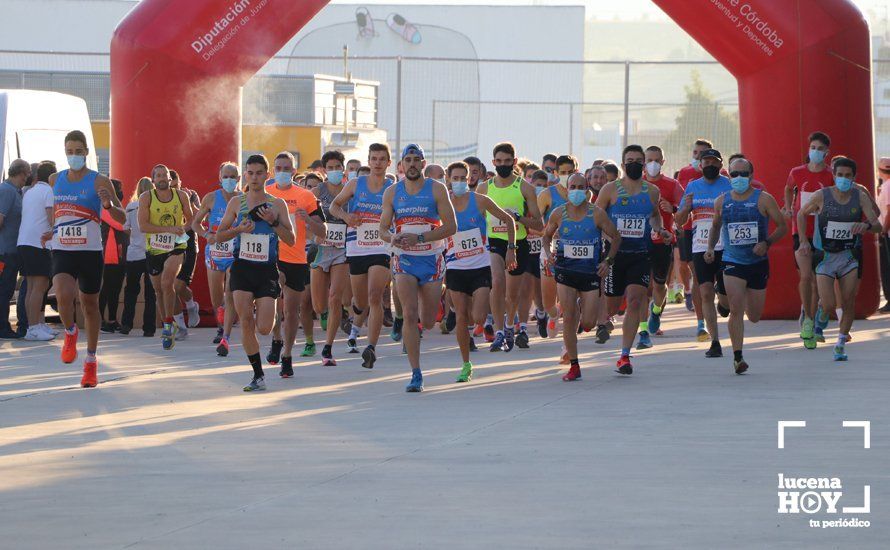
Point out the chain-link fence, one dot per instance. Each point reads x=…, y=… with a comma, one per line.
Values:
x=460, y=107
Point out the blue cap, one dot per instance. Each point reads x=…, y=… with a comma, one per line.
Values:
x=412, y=149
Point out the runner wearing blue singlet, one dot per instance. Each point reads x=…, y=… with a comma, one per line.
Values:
x=741, y=220
x=419, y=211
x=218, y=256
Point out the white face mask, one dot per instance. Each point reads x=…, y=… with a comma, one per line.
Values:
x=564, y=181
x=653, y=169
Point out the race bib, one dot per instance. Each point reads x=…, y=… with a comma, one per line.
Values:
x=498, y=225
x=839, y=231
x=466, y=244
x=72, y=235
x=743, y=233
x=631, y=228
x=417, y=229
x=222, y=251
x=254, y=247
x=701, y=233
x=162, y=241
x=535, y=244
x=334, y=235
x=578, y=251
x=367, y=235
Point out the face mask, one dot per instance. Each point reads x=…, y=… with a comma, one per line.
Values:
x=634, y=170
x=76, y=162
x=182, y=238
x=696, y=163
x=816, y=156
x=564, y=181
x=710, y=172
x=229, y=184
x=740, y=184
x=504, y=171
x=460, y=188
x=653, y=169
x=335, y=176
x=282, y=179
x=843, y=184
x=539, y=190
x=577, y=196
x=352, y=175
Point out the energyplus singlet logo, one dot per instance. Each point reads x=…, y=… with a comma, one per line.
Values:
x=226, y=27
x=815, y=495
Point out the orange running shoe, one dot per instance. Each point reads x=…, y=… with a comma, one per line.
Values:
x=477, y=331
x=69, y=347
x=624, y=366
x=90, y=376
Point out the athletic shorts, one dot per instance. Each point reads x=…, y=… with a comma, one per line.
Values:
x=837, y=264
x=815, y=254
x=155, y=262
x=630, y=268
x=582, y=282
x=709, y=272
x=429, y=268
x=499, y=247
x=84, y=265
x=35, y=262
x=327, y=257
x=533, y=267
x=468, y=281
x=216, y=264
x=360, y=265
x=296, y=276
x=755, y=275
x=684, y=241
x=187, y=271
x=662, y=256
x=261, y=280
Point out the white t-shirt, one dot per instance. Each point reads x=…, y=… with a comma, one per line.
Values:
x=136, y=250
x=36, y=200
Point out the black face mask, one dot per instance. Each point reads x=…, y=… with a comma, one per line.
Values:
x=504, y=171
x=634, y=170
x=710, y=172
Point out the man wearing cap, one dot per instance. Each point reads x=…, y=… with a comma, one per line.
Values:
x=420, y=212
x=884, y=220
x=699, y=202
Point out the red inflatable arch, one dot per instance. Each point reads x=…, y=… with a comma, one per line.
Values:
x=177, y=68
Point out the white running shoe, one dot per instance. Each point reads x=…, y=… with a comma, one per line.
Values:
x=34, y=334
x=194, y=314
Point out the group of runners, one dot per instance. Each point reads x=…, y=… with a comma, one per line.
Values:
x=345, y=245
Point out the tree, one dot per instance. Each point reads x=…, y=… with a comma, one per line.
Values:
x=702, y=117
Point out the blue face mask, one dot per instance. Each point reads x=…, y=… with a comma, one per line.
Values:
x=696, y=163
x=182, y=238
x=335, y=176
x=352, y=175
x=740, y=184
x=539, y=190
x=816, y=156
x=460, y=188
x=577, y=196
x=76, y=162
x=283, y=178
x=229, y=184
x=843, y=184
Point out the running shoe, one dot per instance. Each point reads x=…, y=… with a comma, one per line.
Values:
x=819, y=335
x=542, y=325
x=477, y=331
x=807, y=333
x=125, y=330
x=573, y=374
x=416, y=384
x=182, y=333
x=308, y=350
x=488, y=330
x=369, y=357
x=498, y=343
x=645, y=342
x=194, y=314
x=274, y=352
x=219, y=335
x=222, y=349
x=35, y=334
x=327, y=358
x=624, y=366
x=396, y=333
x=610, y=324
x=509, y=342
x=69, y=346
x=168, y=337
x=703, y=335
x=689, y=305
x=839, y=353
x=351, y=345
x=345, y=323
x=257, y=384
x=450, y=321
x=723, y=311
x=522, y=340
x=323, y=320
x=715, y=350
x=740, y=366
x=387, y=318
x=466, y=373
x=287, y=367
x=654, y=320
x=473, y=344
x=90, y=377
x=551, y=326
x=602, y=334
x=107, y=328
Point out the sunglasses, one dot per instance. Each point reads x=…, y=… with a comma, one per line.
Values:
x=737, y=174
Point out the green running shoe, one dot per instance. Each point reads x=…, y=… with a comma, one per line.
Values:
x=466, y=373
x=308, y=350
x=324, y=320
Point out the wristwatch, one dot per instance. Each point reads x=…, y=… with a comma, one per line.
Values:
x=516, y=216
x=511, y=246
x=420, y=238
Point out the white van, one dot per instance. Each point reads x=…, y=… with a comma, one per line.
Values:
x=33, y=125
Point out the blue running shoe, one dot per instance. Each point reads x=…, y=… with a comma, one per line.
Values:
x=416, y=384
x=168, y=337
x=819, y=335
x=839, y=353
x=819, y=322
x=654, y=320
x=396, y=332
x=498, y=343
x=508, y=340
x=645, y=342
